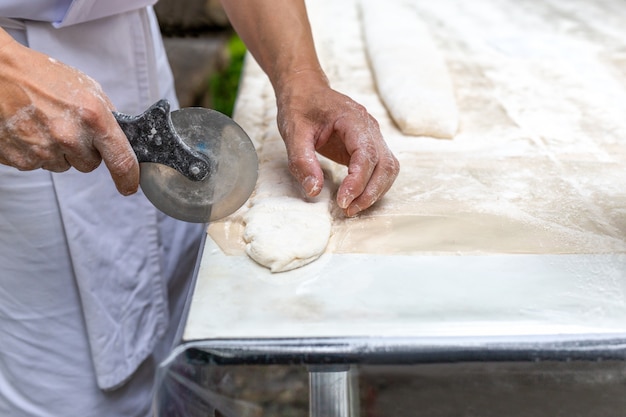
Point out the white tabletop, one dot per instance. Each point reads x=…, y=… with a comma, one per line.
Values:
x=514, y=228
x=344, y=295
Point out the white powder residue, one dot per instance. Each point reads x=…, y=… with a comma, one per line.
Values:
x=539, y=160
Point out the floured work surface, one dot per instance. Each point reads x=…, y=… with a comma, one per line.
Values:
x=534, y=177
x=539, y=162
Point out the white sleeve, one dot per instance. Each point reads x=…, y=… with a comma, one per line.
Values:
x=80, y=11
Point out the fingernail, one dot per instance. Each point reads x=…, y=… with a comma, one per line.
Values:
x=353, y=210
x=128, y=191
x=311, y=185
x=344, y=202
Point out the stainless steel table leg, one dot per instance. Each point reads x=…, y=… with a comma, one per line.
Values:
x=333, y=392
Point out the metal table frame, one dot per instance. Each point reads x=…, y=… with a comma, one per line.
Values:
x=331, y=361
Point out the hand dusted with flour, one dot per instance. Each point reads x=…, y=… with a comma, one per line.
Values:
x=312, y=117
x=54, y=117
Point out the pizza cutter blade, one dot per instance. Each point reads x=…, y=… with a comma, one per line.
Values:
x=197, y=164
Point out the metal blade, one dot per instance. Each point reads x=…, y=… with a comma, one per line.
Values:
x=234, y=169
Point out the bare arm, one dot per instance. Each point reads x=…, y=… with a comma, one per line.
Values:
x=311, y=115
x=54, y=117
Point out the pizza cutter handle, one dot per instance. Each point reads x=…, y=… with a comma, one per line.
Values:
x=153, y=139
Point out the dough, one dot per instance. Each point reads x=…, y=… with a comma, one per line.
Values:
x=284, y=230
x=279, y=228
x=410, y=73
x=285, y=233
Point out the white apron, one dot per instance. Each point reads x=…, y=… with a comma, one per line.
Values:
x=115, y=244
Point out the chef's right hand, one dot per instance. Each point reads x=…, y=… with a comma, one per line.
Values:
x=55, y=117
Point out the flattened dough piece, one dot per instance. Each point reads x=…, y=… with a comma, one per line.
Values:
x=410, y=73
x=284, y=230
x=284, y=233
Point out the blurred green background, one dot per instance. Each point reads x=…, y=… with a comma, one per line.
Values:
x=223, y=85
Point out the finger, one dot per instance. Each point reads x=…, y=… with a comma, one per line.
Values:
x=78, y=151
x=303, y=163
x=363, y=161
x=119, y=159
x=61, y=165
x=84, y=162
x=380, y=182
x=123, y=167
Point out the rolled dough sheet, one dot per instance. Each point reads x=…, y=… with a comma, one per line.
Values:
x=409, y=70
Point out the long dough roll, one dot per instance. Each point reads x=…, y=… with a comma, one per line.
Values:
x=411, y=75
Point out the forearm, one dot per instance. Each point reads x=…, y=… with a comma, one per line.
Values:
x=278, y=34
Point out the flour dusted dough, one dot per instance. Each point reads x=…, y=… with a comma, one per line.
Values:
x=284, y=230
x=410, y=73
x=285, y=233
x=279, y=228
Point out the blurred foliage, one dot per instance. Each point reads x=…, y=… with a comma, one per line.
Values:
x=224, y=84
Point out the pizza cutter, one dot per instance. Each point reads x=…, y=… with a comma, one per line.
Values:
x=196, y=164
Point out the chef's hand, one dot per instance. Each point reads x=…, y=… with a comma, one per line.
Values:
x=313, y=117
x=54, y=117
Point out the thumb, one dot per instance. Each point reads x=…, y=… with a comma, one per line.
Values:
x=120, y=160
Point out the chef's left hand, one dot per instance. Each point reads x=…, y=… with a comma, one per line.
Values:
x=312, y=118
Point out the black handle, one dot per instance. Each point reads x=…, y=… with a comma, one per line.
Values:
x=153, y=138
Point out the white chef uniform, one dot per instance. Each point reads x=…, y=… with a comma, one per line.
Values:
x=91, y=282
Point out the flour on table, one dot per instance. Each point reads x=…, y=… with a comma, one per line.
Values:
x=538, y=165
x=410, y=73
